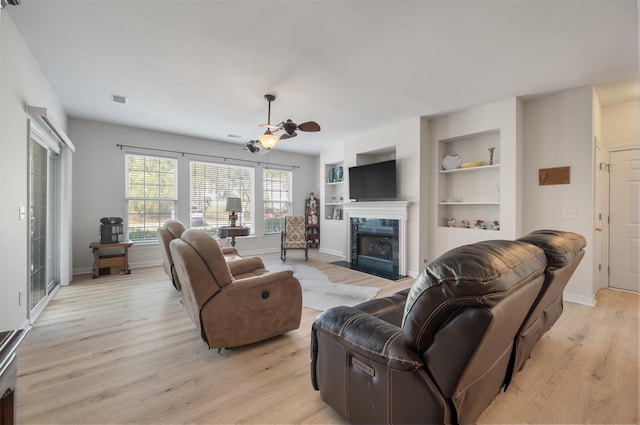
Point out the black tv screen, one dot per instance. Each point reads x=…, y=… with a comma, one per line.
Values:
x=373, y=181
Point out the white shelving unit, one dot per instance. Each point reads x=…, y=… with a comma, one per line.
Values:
x=473, y=193
x=333, y=192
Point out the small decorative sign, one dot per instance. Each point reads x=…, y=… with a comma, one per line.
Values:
x=556, y=175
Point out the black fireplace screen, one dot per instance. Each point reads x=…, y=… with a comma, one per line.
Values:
x=375, y=244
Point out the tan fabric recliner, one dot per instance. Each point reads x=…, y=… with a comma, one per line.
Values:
x=173, y=229
x=294, y=236
x=169, y=231
x=233, y=303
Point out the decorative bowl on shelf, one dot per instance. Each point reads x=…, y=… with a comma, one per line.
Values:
x=471, y=164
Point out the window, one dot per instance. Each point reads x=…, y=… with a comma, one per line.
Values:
x=151, y=195
x=277, y=198
x=211, y=185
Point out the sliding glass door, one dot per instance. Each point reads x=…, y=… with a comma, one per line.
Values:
x=43, y=208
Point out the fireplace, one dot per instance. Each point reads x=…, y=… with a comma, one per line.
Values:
x=376, y=237
x=374, y=244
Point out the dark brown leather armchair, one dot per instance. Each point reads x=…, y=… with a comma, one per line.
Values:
x=437, y=354
x=233, y=303
x=564, y=251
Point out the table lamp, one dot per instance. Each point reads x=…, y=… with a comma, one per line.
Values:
x=234, y=205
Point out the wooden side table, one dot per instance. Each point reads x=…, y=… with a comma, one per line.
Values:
x=119, y=260
x=232, y=232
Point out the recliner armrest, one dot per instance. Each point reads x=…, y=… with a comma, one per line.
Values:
x=245, y=265
x=368, y=336
x=229, y=251
x=262, y=280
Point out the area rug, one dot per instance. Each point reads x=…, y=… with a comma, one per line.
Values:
x=319, y=293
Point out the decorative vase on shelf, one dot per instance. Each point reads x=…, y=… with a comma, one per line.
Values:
x=332, y=175
x=340, y=173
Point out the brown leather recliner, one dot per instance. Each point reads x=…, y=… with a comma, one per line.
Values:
x=437, y=354
x=233, y=303
x=564, y=251
x=173, y=229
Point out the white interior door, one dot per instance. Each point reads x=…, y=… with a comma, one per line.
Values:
x=624, y=226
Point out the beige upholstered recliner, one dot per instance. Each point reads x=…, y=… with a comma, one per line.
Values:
x=233, y=303
x=294, y=236
x=173, y=229
x=169, y=231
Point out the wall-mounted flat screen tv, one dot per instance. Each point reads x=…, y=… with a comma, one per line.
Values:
x=373, y=182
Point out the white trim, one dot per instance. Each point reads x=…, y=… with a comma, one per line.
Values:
x=332, y=252
x=579, y=299
x=37, y=111
x=392, y=210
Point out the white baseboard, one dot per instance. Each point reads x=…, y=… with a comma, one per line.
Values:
x=332, y=252
x=579, y=299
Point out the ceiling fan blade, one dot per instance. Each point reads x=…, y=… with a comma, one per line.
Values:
x=270, y=127
x=288, y=136
x=309, y=126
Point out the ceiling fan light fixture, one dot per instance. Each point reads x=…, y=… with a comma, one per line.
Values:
x=268, y=140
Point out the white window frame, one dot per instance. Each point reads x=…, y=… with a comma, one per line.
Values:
x=277, y=202
x=149, y=229
x=208, y=203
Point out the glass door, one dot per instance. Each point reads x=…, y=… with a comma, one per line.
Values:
x=37, y=222
x=43, y=262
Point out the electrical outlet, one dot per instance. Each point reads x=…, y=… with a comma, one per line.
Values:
x=20, y=297
x=569, y=213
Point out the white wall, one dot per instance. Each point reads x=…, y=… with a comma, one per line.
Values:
x=22, y=83
x=404, y=137
x=620, y=124
x=99, y=183
x=558, y=132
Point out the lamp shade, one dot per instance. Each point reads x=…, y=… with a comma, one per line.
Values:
x=234, y=204
x=268, y=140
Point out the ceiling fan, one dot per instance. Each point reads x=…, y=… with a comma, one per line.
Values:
x=269, y=139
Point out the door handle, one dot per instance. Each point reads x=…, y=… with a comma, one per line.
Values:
x=598, y=229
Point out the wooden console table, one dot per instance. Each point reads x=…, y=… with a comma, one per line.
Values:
x=9, y=342
x=119, y=261
x=232, y=232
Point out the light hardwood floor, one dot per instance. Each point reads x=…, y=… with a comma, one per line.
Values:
x=121, y=349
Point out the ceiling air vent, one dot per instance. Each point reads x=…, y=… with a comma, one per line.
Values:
x=119, y=98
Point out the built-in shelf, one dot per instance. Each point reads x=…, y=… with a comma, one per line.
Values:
x=470, y=193
x=333, y=190
x=471, y=203
x=462, y=170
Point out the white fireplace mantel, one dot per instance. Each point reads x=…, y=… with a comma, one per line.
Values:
x=391, y=210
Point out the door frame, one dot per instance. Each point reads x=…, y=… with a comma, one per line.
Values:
x=41, y=137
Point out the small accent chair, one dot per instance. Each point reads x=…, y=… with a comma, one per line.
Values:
x=294, y=236
x=167, y=232
x=233, y=303
x=173, y=229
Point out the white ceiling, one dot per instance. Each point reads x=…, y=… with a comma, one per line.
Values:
x=201, y=67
